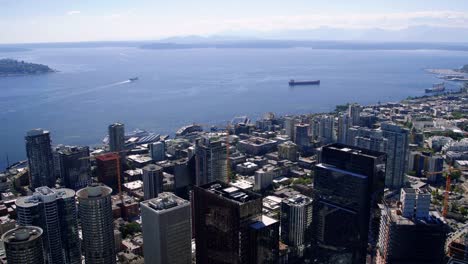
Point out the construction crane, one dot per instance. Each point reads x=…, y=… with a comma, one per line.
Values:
x=448, y=183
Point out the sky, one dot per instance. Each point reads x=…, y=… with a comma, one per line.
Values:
x=25, y=21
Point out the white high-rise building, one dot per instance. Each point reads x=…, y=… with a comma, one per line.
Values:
x=157, y=151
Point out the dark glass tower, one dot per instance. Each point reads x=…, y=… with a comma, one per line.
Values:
x=23, y=245
x=222, y=219
x=348, y=183
x=73, y=166
x=40, y=159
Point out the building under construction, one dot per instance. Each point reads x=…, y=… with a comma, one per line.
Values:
x=409, y=232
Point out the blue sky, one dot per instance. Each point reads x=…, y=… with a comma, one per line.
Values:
x=88, y=20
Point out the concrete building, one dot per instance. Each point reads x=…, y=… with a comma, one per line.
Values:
x=54, y=211
x=301, y=135
x=288, y=150
x=257, y=145
x=166, y=230
x=72, y=166
x=222, y=218
x=354, y=112
x=415, y=235
x=371, y=139
x=95, y=208
x=348, y=184
x=157, y=151
x=152, y=181
x=264, y=178
x=23, y=245
x=289, y=124
x=327, y=129
x=344, y=123
x=210, y=161
x=108, y=166
x=296, y=224
x=40, y=159
x=116, y=134
x=397, y=154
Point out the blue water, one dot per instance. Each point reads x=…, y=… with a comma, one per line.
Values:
x=178, y=87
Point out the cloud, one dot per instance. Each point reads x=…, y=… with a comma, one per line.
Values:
x=73, y=12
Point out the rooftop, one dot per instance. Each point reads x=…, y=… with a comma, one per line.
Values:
x=266, y=221
x=165, y=201
x=230, y=192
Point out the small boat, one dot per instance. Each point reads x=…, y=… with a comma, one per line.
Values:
x=133, y=79
x=314, y=82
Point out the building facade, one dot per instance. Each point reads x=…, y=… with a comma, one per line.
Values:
x=54, y=211
x=72, y=166
x=116, y=134
x=166, y=230
x=40, y=158
x=210, y=161
x=348, y=183
x=95, y=209
x=152, y=181
x=23, y=245
x=397, y=154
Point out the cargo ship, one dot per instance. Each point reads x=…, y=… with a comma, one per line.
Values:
x=314, y=82
x=436, y=88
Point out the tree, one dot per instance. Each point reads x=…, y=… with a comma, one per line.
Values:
x=130, y=229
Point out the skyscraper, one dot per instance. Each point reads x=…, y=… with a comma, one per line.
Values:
x=157, y=151
x=348, y=183
x=73, y=166
x=53, y=210
x=264, y=241
x=296, y=223
x=409, y=233
x=301, y=137
x=222, y=218
x=371, y=139
x=152, y=181
x=23, y=245
x=166, y=230
x=40, y=159
x=354, y=112
x=95, y=208
x=289, y=123
x=327, y=129
x=107, y=170
x=397, y=154
x=288, y=150
x=344, y=123
x=210, y=161
x=116, y=137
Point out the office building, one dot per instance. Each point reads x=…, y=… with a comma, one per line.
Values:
x=296, y=224
x=54, y=211
x=40, y=159
x=397, y=154
x=157, y=151
x=263, y=178
x=301, y=135
x=152, y=181
x=95, y=208
x=116, y=134
x=288, y=150
x=166, y=230
x=354, y=112
x=73, y=166
x=424, y=164
x=108, y=166
x=348, y=183
x=264, y=238
x=23, y=245
x=326, y=129
x=409, y=232
x=344, y=122
x=371, y=139
x=210, y=161
x=289, y=124
x=222, y=218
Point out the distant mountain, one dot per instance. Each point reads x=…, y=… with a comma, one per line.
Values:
x=410, y=34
